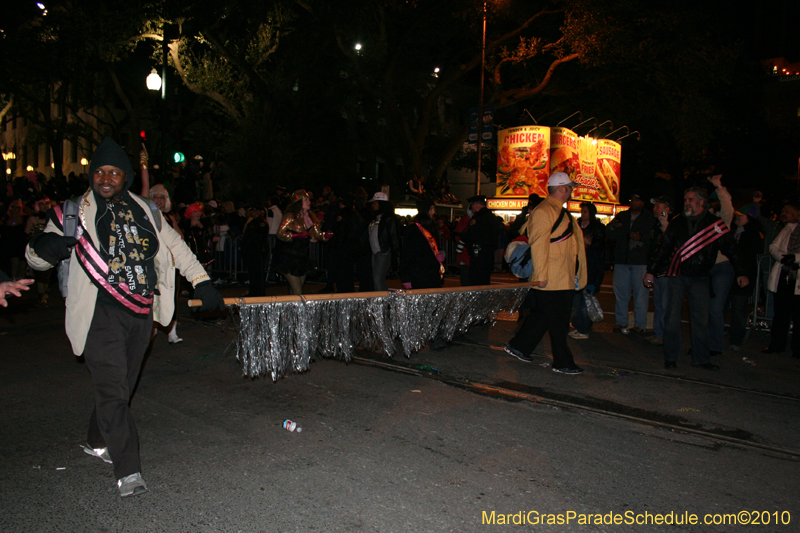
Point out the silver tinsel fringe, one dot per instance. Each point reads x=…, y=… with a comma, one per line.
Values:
x=281, y=337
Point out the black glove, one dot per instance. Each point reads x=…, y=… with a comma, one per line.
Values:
x=788, y=259
x=53, y=247
x=210, y=297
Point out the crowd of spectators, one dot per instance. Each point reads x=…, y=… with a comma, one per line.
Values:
x=355, y=236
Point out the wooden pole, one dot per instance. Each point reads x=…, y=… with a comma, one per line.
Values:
x=346, y=295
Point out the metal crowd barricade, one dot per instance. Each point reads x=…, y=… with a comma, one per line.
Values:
x=758, y=320
x=228, y=263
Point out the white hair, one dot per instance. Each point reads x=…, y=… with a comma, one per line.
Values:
x=161, y=189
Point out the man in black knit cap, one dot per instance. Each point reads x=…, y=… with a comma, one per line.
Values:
x=121, y=277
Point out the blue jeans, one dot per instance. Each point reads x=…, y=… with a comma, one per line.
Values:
x=627, y=279
x=380, y=268
x=660, y=297
x=697, y=289
x=722, y=276
x=580, y=313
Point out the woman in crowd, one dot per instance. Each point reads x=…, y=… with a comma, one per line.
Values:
x=415, y=187
x=292, y=250
x=383, y=239
x=160, y=196
x=195, y=233
x=420, y=260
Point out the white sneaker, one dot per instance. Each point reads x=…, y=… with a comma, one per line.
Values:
x=102, y=453
x=132, y=485
x=577, y=335
x=174, y=339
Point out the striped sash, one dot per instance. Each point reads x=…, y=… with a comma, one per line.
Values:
x=97, y=269
x=699, y=240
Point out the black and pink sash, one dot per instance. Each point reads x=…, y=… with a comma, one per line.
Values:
x=97, y=269
x=699, y=240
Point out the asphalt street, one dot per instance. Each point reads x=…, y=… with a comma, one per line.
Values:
x=460, y=439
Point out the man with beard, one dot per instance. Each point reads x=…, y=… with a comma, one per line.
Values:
x=687, y=252
x=123, y=257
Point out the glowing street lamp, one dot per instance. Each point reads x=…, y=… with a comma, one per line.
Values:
x=153, y=81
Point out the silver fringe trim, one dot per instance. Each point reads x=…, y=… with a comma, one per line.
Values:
x=281, y=337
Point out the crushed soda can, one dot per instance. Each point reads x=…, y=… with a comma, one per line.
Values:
x=288, y=425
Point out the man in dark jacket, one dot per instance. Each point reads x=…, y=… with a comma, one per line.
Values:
x=631, y=231
x=662, y=209
x=687, y=252
x=481, y=240
x=345, y=244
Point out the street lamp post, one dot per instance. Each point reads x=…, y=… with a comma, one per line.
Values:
x=480, y=105
x=154, y=83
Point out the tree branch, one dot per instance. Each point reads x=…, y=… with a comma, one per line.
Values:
x=514, y=95
x=215, y=96
x=7, y=107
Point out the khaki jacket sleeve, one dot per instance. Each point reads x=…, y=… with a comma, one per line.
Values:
x=539, y=225
x=583, y=268
x=185, y=261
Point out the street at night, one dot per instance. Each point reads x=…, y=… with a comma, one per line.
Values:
x=437, y=442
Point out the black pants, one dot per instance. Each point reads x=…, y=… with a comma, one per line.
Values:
x=114, y=352
x=550, y=313
x=256, y=274
x=481, y=267
x=787, y=308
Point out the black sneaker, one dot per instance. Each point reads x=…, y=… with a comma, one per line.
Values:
x=570, y=370
x=516, y=353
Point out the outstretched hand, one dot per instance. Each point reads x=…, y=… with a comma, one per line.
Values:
x=13, y=287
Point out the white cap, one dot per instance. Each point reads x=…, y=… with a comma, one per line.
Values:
x=380, y=197
x=560, y=178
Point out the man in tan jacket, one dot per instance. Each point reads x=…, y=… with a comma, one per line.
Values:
x=559, y=263
x=123, y=257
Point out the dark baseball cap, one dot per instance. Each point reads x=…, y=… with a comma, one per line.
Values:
x=661, y=200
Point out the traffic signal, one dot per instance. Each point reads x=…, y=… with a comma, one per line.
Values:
x=178, y=157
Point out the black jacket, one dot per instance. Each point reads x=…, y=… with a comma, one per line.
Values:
x=750, y=244
x=624, y=253
x=388, y=233
x=701, y=263
x=418, y=264
x=483, y=232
